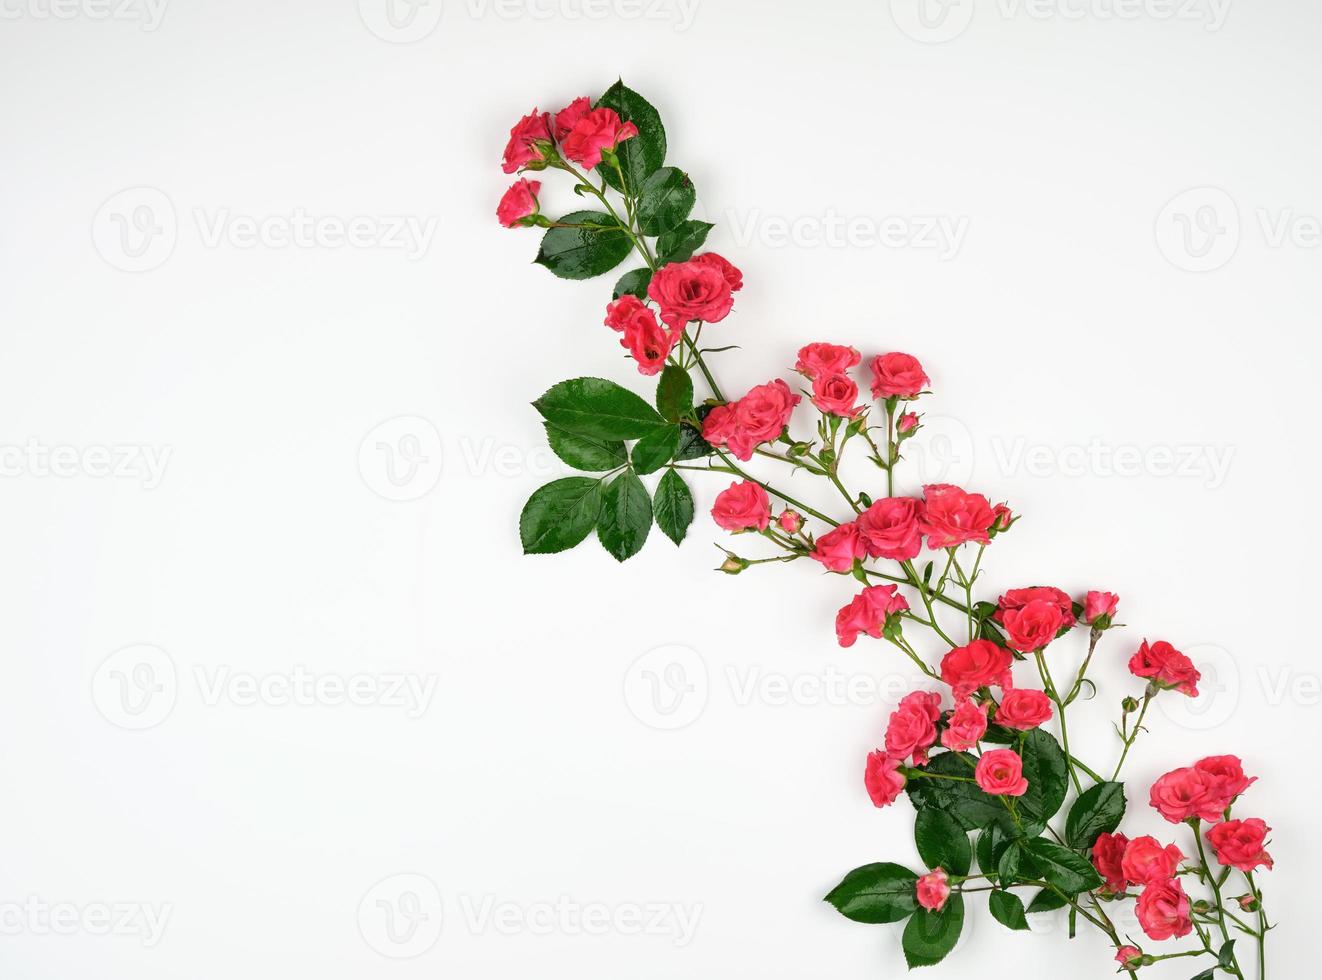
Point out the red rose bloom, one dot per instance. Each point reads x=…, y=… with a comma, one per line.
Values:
x=1000, y=772
x=1107, y=855
x=1023, y=708
x=1166, y=667
x=523, y=148
x=1239, y=844
x=1032, y=626
x=595, y=131
x=979, y=664
x=1185, y=793
x=951, y=517
x=729, y=272
x=867, y=613
x=570, y=116
x=968, y=723
x=1163, y=910
x=1018, y=598
x=912, y=727
x=838, y=548
x=644, y=338
x=760, y=416
x=1097, y=605
x=889, y=528
x=742, y=506
x=1146, y=861
x=519, y=202
x=1227, y=777
x=883, y=778
x=823, y=360
x=898, y=375
x=835, y=394
x=698, y=289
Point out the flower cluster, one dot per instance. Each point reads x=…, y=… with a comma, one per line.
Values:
x=983, y=754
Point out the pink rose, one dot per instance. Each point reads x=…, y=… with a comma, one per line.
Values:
x=1185, y=793
x=1018, y=598
x=898, y=375
x=1239, y=844
x=760, y=416
x=968, y=723
x=729, y=272
x=1002, y=518
x=698, y=289
x=979, y=664
x=570, y=116
x=1023, y=709
x=644, y=338
x=742, y=506
x=1146, y=861
x=835, y=394
x=1000, y=772
x=1128, y=957
x=906, y=424
x=911, y=730
x=838, y=548
x=889, y=528
x=1033, y=626
x=1166, y=667
x=1107, y=857
x=1097, y=605
x=790, y=521
x=883, y=779
x=1163, y=910
x=933, y=889
x=594, y=132
x=951, y=517
x=528, y=138
x=519, y=202
x=824, y=360
x=867, y=613
x=1227, y=777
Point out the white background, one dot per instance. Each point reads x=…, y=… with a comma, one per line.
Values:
x=1073, y=331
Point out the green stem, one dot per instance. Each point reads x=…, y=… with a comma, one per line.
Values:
x=1138, y=725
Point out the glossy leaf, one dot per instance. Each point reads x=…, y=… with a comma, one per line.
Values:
x=666, y=199
x=626, y=517
x=674, y=393
x=586, y=453
x=673, y=506
x=1097, y=811
x=560, y=515
x=655, y=449
x=642, y=155
x=599, y=408
x=582, y=253
x=930, y=936
x=1068, y=870
x=1007, y=908
x=942, y=843
x=876, y=893
x=679, y=244
x=634, y=283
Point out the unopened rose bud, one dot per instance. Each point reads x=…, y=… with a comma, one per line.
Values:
x=1248, y=903
x=1130, y=705
x=1129, y=957
x=733, y=565
x=800, y=448
x=1003, y=517
x=1202, y=907
x=791, y=521
x=1099, y=608
x=906, y=425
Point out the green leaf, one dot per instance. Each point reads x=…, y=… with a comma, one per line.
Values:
x=581, y=253
x=942, y=843
x=679, y=244
x=673, y=506
x=1068, y=870
x=1098, y=811
x=586, y=453
x=1007, y=909
x=643, y=154
x=1048, y=781
x=655, y=449
x=560, y=515
x=1045, y=901
x=930, y=936
x=692, y=445
x=1206, y=975
x=876, y=893
x=1226, y=956
x=674, y=393
x=626, y=517
x=667, y=198
x=992, y=843
x=634, y=283
x=599, y=408
x=971, y=807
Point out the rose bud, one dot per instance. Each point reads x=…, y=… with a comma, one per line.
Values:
x=518, y=206
x=933, y=889
x=1002, y=519
x=906, y=425
x=790, y=521
x=733, y=565
x=1129, y=957
x=1248, y=903
x=1099, y=609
